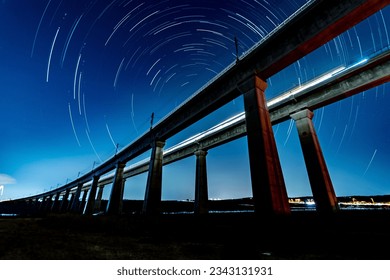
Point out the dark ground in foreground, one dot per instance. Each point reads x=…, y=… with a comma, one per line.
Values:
x=350, y=235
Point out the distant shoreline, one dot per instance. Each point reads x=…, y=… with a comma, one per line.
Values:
x=358, y=202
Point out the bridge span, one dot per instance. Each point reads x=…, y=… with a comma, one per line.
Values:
x=312, y=26
x=330, y=87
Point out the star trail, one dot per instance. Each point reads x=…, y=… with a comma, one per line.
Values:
x=81, y=79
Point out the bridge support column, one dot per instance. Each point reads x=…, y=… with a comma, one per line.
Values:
x=76, y=201
x=99, y=197
x=92, y=195
x=42, y=206
x=49, y=204
x=321, y=184
x=56, y=203
x=153, y=191
x=64, y=204
x=30, y=205
x=83, y=200
x=268, y=187
x=70, y=202
x=36, y=205
x=114, y=206
x=201, y=188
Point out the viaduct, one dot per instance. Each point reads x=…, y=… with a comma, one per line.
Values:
x=316, y=23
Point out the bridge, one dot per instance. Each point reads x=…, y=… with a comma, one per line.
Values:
x=310, y=27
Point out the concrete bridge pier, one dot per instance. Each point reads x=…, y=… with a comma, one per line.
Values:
x=114, y=206
x=36, y=205
x=49, y=204
x=31, y=202
x=65, y=202
x=76, y=201
x=201, y=188
x=83, y=200
x=56, y=203
x=42, y=206
x=30, y=205
x=92, y=195
x=321, y=184
x=268, y=187
x=45, y=204
x=70, y=202
x=153, y=191
x=99, y=197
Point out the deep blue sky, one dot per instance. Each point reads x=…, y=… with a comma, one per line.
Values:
x=79, y=77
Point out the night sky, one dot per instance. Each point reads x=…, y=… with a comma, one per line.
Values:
x=80, y=79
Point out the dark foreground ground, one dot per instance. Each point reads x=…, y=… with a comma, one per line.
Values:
x=351, y=235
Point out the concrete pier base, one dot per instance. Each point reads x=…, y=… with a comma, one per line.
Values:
x=321, y=184
x=201, y=188
x=153, y=191
x=268, y=187
x=114, y=206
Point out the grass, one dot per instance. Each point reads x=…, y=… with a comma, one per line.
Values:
x=304, y=235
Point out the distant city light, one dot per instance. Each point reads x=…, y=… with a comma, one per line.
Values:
x=310, y=202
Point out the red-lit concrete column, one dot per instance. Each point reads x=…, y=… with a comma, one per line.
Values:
x=76, y=201
x=153, y=191
x=64, y=204
x=321, y=184
x=201, y=189
x=92, y=195
x=99, y=197
x=268, y=187
x=114, y=206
